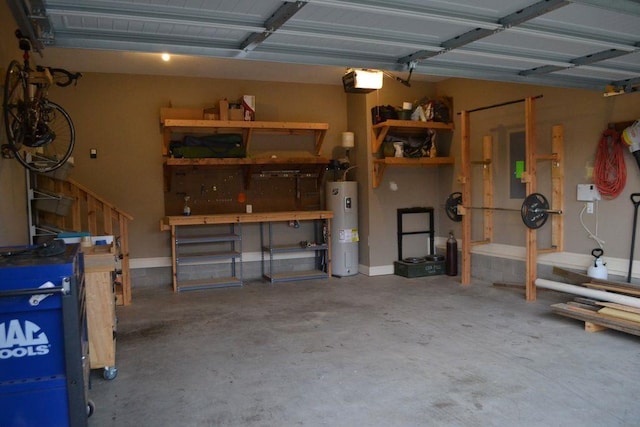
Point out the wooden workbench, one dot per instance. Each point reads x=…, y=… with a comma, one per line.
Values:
x=171, y=223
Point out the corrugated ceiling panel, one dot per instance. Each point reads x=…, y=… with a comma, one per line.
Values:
x=631, y=61
x=490, y=8
x=301, y=44
x=467, y=58
x=355, y=20
x=375, y=32
x=594, y=21
x=538, y=44
x=596, y=73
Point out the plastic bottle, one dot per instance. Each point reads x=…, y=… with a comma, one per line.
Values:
x=452, y=256
x=186, y=211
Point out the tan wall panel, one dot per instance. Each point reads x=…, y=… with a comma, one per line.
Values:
x=119, y=116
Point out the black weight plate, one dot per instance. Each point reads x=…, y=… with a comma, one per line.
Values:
x=451, y=206
x=534, y=210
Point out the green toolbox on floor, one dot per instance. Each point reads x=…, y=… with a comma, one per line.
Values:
x=418, y=269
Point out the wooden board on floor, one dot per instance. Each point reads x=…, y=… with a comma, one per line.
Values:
x=595, y=318
x=614, y=312
x=619, y=306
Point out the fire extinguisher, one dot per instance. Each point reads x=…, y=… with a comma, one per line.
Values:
x=452, y=255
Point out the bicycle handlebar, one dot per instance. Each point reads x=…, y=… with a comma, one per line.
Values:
x=68, y=76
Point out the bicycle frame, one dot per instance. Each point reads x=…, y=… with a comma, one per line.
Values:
x=40, y=133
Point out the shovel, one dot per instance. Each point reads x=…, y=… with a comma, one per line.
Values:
x=635, y=199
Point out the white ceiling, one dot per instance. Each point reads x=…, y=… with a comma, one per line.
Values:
x=579, y=43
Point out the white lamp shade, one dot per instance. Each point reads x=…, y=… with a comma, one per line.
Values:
x=347, y=140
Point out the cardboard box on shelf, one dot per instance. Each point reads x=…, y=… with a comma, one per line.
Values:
x=211, y=114
x=236, y=114
x=224, y=109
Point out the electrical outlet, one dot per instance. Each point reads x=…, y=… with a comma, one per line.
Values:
x=589, y=207
x=587, y=193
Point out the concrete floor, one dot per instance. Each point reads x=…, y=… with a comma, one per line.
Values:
x=364, y=351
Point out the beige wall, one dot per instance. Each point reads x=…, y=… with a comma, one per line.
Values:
x=119, y=116
x=13, y=205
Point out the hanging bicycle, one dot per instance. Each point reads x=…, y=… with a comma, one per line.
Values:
x=40, y=132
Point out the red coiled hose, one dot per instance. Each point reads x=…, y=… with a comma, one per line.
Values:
x=610, y=171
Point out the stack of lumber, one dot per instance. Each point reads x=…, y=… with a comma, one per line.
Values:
x=598, y=313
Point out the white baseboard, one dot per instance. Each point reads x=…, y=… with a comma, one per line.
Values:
x=136, y=263
x=569, y=260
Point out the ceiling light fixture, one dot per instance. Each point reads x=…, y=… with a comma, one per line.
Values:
x=166, y=57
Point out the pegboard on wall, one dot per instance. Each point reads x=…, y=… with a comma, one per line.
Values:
x=230, y=190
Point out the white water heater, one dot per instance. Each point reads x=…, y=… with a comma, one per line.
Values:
x=342, y=199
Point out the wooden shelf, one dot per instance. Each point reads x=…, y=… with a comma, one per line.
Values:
x=404, y=127
x=246, y=128
x=311, y=164
x=379, y=165
x=177, y=220
x=247, y=161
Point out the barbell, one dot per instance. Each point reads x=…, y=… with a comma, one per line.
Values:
x=534, y=211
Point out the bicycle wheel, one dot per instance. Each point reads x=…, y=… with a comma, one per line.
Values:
x=55, y=138
x=13, y=106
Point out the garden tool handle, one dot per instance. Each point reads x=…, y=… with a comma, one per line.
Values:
x=635, y=199
x=597, y=253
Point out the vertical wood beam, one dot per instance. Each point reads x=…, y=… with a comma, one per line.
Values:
x=557, y=187
x=487, y=186
x=531, y=168
x=92, y=215
x=123, y=223
x=107, y=225
x=465, y=179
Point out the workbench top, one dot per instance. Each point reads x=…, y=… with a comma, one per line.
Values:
x=176, y=220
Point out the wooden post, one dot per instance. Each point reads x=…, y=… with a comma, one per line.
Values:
x=92, y=215
x=107, y=222
x=531, y=169
x=487, y=187
x=465, y=179
x=557, y=187
x=123, y=222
